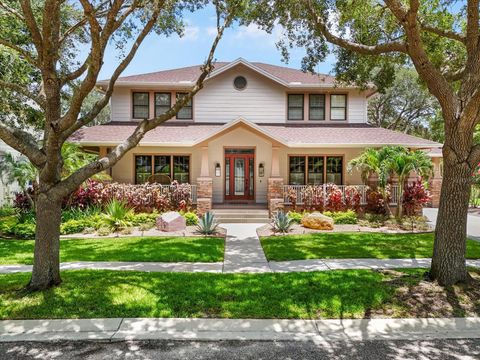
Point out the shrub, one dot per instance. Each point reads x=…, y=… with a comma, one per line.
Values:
x=23, y=200
x=342, y=217
x=23, y=230
x=117, y=215
x=104, y=231
x=376, y=202
x=75, y=226
x=281, y=222
x=146, y=226
x=415, y=197
x=291, y=195
x=142, y=218
x=207, y=224
x=191, y=218
x=7, y=211
x=334, y=198
x=313, y=197
x=295, y=216
x=353, y=198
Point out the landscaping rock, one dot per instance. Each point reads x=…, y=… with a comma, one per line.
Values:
x=171, y=221
x=317, y=221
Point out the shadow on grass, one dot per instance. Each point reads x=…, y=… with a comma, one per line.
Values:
x=89, y=293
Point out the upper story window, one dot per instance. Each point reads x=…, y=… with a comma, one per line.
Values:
x=240, y=83
x=295, y=106
x=316, y=109
x=141, y=108
x=186, y=112
x=338, y=107
x=163, y=102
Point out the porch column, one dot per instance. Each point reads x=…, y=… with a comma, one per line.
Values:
x=204, y=185
x=275, y=184
x=436, y=182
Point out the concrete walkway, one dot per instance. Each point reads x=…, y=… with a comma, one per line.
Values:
x=244, y=263
x=118, y=329
x=473, y=222
x=243, y=251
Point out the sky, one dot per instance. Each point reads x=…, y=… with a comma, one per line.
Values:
x=160, y=53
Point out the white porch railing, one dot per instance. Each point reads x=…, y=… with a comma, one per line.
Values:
x=193, y=191
x=362, y=189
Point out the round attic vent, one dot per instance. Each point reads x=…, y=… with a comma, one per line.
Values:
x=240, y=83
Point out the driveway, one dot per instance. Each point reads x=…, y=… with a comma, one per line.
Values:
x=473, y=222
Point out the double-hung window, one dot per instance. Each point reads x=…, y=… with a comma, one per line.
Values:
x=338, y=107
x=316, y=109
x=162, y=102
x=295, y=106
x=186, y=112
x=141, y=106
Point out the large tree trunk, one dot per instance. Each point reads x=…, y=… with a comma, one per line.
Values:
x=448, y=263
x=46, y=264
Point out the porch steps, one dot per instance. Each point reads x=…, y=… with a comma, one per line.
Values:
x=233, y=216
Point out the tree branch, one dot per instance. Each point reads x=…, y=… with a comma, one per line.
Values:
x=472, y=38
x=389, y=47
x=22, y=52
x=449, y=34
x=24, y=143
x=12, y=11
x=32, y=26
x=75, y=179
x=25, y=92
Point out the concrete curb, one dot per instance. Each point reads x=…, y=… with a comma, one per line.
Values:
x=237, y=329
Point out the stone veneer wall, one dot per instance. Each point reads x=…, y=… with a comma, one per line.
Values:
x=204, y=195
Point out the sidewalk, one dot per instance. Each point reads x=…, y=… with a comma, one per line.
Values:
x=121, y=329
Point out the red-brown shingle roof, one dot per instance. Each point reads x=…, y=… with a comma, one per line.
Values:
x=191, y=73
x=294, y=136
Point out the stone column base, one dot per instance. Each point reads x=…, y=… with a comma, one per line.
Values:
x=435, y=188
x=204, y=205
x=274, y=205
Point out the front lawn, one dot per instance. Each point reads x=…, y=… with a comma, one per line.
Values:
x=354, y=245
x=332, y=294
x=162, y=249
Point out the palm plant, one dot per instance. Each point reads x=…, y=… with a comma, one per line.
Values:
x=375, y=162
x=117, y=215
x=207, y=225
x=402, y=163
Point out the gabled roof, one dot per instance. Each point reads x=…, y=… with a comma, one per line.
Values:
x=186, y=76
x=292, y=136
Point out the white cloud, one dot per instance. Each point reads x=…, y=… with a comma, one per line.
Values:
x=190, y=33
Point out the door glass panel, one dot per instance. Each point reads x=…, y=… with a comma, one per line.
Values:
x=227, y=176
x=239, y=176
x=251, y=173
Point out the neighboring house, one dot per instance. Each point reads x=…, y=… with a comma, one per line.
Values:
x=252, y=129
x=7, y=190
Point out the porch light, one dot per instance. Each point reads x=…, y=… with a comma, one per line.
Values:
x=261, y=169
x=217, y=169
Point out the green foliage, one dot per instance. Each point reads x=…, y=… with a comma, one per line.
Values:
x=281, y=222
x=207, y=224
x=23, y=230
x=146, y=226
x=342, y=217
x=77, y=213
x=104, y=231
x=295, y=216
x=7, y=211
x=191, y=218
x=142, y=218
x=73, y=226
x=117, y=215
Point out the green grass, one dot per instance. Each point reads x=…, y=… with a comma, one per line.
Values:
x=354, y=245
x=170, y=249
x=93, y=294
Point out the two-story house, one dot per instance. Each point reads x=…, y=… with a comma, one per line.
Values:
x=253, y=128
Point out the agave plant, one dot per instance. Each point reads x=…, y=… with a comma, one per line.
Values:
x=281, y=222
x=207, y=224
x=117, y=215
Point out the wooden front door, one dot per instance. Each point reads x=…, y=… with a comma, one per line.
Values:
x=239, y=174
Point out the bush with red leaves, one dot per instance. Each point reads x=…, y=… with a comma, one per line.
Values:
x=415, y=197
